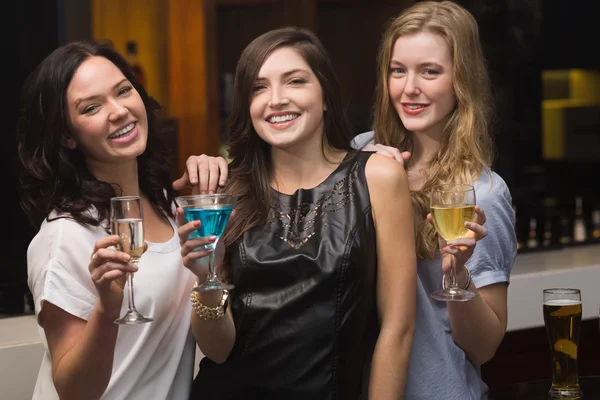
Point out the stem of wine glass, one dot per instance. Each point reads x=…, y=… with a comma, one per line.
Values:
x=131, y=299
x=452, y=284
x=212, y=273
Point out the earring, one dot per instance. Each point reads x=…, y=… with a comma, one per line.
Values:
x=68, y=143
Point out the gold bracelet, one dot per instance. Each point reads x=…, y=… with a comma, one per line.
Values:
x=210, y=313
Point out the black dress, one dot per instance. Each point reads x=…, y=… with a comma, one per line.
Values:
x=304, y=297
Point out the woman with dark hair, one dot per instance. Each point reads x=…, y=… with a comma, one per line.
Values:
x=320, y=250
x=87, y=133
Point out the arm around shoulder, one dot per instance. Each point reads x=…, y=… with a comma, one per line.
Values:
x=396, y=277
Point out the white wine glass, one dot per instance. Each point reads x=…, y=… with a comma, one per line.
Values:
x=213, y=212
x=451, y=206
x=127, y=221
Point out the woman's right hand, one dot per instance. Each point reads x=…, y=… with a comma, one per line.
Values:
x=401, y=156
x=108, y=269
x=204, y=174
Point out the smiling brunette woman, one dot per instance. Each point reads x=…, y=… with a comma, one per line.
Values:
x=87, y=133
x=321, y=248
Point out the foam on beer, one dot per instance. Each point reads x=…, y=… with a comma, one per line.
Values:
x=562, y=302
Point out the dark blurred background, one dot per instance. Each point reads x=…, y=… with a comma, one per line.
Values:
x=543, y=66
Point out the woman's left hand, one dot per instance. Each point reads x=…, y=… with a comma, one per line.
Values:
x=462, y=249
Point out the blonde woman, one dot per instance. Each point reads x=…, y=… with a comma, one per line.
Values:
x=433, y=103
x=433, y=99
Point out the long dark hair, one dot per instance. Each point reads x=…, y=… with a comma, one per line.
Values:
x=251, y=170
x=54, y=177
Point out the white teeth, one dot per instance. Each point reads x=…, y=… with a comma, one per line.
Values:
x=122, y=132
x=414, y=107
x=283, y=118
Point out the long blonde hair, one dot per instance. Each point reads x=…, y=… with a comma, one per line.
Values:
x=467, y=148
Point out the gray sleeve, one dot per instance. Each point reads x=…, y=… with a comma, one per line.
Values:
x=363, y=139
x=495, y=254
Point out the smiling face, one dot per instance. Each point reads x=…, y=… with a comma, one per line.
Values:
x=420, y=82
x=287, y=101
x=106, y=115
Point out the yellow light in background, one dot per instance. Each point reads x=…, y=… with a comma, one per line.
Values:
x=552, y=130
x=144, y=21
x=564, y=89
x=585, y=85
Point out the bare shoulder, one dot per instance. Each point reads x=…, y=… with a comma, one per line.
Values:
x=382, y=171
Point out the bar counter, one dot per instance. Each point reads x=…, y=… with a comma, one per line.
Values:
x=578, y=267
x=574, y=267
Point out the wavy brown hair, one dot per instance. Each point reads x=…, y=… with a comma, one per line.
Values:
x=56, y=178
x=250, y=169
x=467, y=148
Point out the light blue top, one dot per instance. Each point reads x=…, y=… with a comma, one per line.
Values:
x=438, y=368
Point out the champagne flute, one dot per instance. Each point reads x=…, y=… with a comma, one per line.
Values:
x=451, y=205
x=127, y=221
x=213, y=212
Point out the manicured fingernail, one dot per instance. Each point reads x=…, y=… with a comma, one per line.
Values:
x=212, y=238
x=211, y=192
x=222, y=183
x=134, y=267
x=126, y=257
x=196, y=224
x=193, y=181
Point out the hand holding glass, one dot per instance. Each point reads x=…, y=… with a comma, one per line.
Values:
x=213, y=212
x=451, y=206
x=127, y=221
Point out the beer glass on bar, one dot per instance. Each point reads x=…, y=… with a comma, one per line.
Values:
x=562, y=317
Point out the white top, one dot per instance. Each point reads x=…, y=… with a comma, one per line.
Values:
x=153, y=360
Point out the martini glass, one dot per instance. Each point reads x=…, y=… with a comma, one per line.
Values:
x=213, y=212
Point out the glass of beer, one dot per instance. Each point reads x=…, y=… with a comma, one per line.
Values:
x=451, y=206
x=562, y=317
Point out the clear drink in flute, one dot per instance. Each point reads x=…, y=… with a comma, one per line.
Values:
x=562, y=317
x=127, y=221
x=451, y=206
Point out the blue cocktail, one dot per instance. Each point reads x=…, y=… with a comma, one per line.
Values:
x=213, y=220
x=213, y=212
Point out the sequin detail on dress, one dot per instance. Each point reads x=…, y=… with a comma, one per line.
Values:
x=299, y=223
